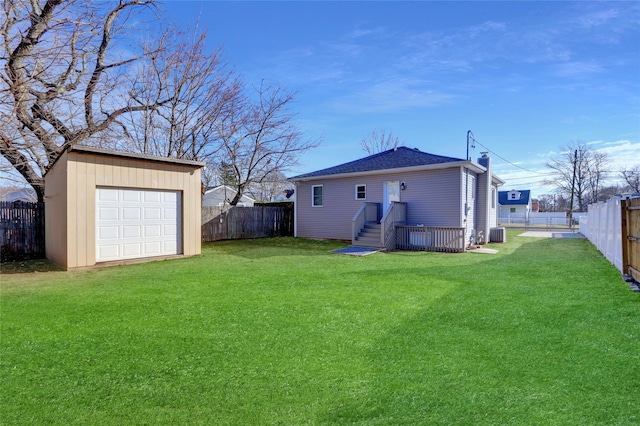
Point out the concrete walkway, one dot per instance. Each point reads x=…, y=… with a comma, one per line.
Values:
x=552, y=234
x=356, y=251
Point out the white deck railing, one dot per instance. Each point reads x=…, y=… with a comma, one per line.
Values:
x=430, y=238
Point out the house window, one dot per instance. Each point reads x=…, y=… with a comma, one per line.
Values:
x=493, y=198
x=512, y=210
x=361, y=192
x=316, y=195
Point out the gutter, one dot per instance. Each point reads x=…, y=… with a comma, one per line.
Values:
x=471, y=165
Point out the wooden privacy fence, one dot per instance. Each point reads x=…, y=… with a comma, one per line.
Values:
x=430, y=238
x=630, y=218
x=246, y=222
x=21, y=230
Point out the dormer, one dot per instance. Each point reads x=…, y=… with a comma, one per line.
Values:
x=513, y=195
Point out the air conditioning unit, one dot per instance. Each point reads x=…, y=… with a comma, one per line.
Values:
x=498, y=235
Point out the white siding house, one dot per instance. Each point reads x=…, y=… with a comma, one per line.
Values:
x=515, y=206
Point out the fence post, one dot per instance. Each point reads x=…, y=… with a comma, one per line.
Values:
x=623, y=233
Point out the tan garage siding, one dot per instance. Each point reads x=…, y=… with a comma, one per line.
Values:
x=56, y=206
x=71, y=225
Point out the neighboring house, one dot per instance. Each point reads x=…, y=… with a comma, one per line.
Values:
x=221, y=196
x=515, y=205
x=419, y=188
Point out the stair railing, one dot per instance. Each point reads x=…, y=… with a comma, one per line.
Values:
x=395, y=216
x=368, y=212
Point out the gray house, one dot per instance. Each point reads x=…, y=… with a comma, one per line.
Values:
x=400, y=198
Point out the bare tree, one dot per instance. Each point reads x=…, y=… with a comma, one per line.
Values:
x=269, y=190
x=596, y=166
x=258, y=138
x=545, y=202
x=609, y=191
x=631, y=177
x=204, y=92
x=378, y=141
x=579, y=170
x=65, y=81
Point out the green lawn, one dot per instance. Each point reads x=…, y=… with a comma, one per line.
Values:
x=280, y=331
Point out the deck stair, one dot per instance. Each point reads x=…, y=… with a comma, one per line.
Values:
x=369, y=235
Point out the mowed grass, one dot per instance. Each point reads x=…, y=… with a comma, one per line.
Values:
x=280, y=331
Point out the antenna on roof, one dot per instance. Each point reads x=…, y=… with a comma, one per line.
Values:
x=470, y=140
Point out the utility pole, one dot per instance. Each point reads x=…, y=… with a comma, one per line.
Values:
x=573, y=184
x=470, y=143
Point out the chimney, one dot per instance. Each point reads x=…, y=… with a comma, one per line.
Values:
x=485, y=160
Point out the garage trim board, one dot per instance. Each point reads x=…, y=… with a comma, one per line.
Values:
x=136, y=223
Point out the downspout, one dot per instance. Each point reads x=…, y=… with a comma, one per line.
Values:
x=470, y=144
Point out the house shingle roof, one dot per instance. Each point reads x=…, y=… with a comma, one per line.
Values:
x=503, y=198
x=391, y=159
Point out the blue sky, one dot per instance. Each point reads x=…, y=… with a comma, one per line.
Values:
x=525, y=77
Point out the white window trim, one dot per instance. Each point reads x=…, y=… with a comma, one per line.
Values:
x=313, y=195
x=356, y=191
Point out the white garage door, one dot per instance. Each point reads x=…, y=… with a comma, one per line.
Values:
x=132, y=223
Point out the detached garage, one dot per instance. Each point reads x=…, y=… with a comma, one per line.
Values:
x=108, y=206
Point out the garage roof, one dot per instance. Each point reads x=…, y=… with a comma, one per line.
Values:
x=136, y=156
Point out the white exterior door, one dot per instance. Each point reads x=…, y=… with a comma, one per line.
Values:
x=391, y=192
x=133, y=223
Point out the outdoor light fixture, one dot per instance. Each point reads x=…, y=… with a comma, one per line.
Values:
x=403, y=186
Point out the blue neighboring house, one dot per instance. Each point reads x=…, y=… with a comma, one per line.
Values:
x=515, y=205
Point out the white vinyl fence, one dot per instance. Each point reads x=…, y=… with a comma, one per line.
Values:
x=550, y=219
x=603, y=227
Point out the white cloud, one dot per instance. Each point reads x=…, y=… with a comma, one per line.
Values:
x=393, y=95
x=577, y=69
x=622, y=154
